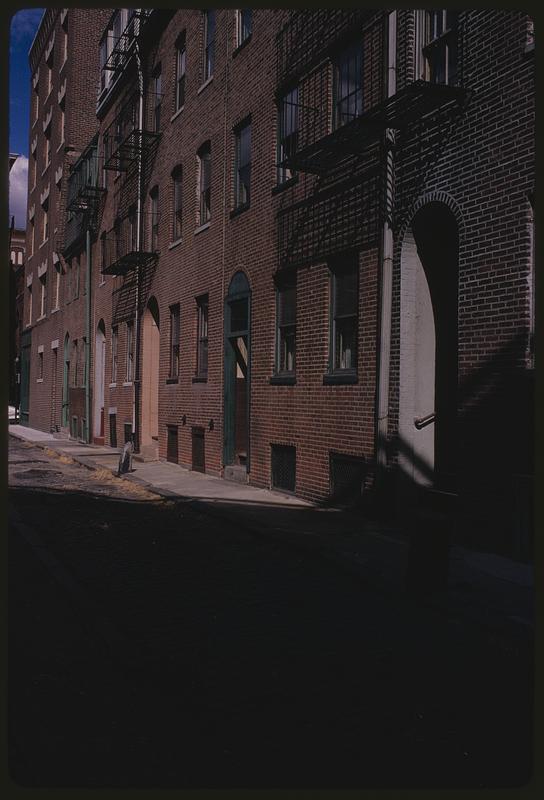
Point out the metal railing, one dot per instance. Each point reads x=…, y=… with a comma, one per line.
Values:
x=124, y=139
x=120, y=249
x=84, y=188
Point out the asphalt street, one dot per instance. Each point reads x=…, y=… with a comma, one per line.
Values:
x=156, y=645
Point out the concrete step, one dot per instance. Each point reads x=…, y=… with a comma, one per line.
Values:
x=235, y=473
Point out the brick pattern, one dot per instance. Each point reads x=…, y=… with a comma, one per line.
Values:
x=478, y=162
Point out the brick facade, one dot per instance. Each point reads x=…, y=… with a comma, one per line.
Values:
x=471, y=159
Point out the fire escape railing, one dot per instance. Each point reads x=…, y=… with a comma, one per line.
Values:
x=124, y=140
x=83, y=197
x=122, y=48
x=120, y=252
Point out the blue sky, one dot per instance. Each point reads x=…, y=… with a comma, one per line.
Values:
x=24, y=25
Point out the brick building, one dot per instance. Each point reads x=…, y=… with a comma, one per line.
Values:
x=16, y=298
x=303, y=247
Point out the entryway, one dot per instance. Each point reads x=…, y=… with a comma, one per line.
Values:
x=237, y=379
x=149, y=446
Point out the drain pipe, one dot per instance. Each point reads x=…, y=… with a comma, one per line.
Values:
x=139, y=244
x=88, y=338
x=384, y=357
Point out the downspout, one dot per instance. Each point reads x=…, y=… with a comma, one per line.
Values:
x=88, y=336
x=384, y=357
x=139, y=244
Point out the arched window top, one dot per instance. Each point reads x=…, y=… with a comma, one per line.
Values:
x=239, y=284
x=177, y=172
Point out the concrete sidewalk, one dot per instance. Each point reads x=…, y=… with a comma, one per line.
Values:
x=493, y=591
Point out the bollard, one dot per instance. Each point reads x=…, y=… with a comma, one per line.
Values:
x=125, y=459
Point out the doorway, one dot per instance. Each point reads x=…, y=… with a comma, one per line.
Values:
x=149, y=446
x=66, y=384
x=99, y=382
x=237, y=374
x=428, y=348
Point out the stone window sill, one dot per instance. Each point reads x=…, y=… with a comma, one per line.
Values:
x=200, y=379
x=202, y=228
x=283, y=380
x=206, y=83
x=172, y=245
x=171, y=381
x=176, y=114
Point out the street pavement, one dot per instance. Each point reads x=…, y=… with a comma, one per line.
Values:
x=212, y=643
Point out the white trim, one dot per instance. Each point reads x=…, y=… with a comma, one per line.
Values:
x=29, y=280
x=112, y=409
x=202, y=227
x=40, y=348
x=54, y=344
x=35, y=78
x=31, y=212
x=45, y=194
x=203, y=85
x=42, y=269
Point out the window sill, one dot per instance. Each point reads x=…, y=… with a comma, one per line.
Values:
x=176, y=114
x=202, y=228
x=34, y=123
x=39, y=380
x=206, y=83
x=241, y=46
x=283, y=380
x=127, y=383
x=63, y=65
x=172, y=245
x=199, y=379
x=45, y=169
x=171, y=381
x=102, y=283
x=239, y=210
x=336, y=378
x=54, y=310
x=113, y=385
x=61, y=145
x=48, y=96
x=43, y=243
x=280, y=187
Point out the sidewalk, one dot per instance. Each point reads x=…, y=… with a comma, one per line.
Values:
x=490, y=590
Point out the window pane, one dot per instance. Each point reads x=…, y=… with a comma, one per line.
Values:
x=238, y=315
x=287, y=305
x=345, y=293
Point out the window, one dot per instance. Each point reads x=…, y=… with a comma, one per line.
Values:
x=130, y=352
x=154, y=198
x=50, y=64
x=174, y=341
x=209, y=43
x=29, y=296
x=202, y=337
x=157, y=99
x=242, y=167
x=45, y=230
x=40, y=365
x=33, y=171
x=177, y=177
x=62, y=123
x=43, y=294
x=348, y=85
x=114, y=346
x=287, y=133
x=75, y=361
x=35, y=105
x=47, y=149
x=179, y=101
x=243, y=26
x=64, y=42
x=286, y=315
x=440, y=46
x=204, y=178
x=32, y=230
x=103, y=254
x=344, y=307
x=58, y=269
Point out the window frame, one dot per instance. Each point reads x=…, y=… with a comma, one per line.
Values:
x=157, y=98
x=437, y=45
x=242, y=186
x=353, y=51
x=204, y=184
x=43, y=295
x=281, y=364
x=175, y=330
x=129, y=371
x=286, y=144
x=114, y=353
x=209, y=44
x=181, y=71
x=203, y=304
x=154, y=217
x=348, y=264
x=240, y=37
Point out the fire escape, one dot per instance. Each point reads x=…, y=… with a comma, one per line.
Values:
x=129, y=249
x=336, y=60
x=83, y=198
